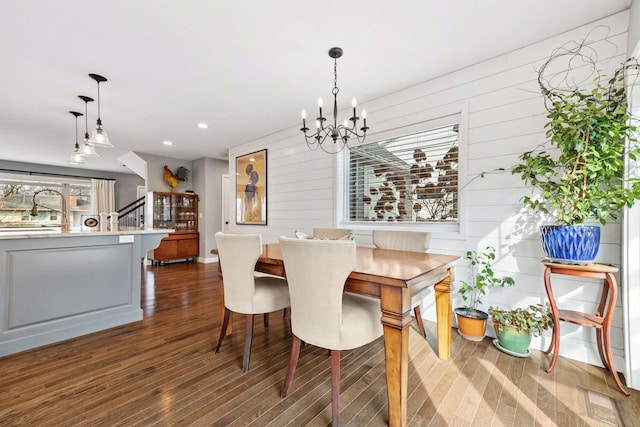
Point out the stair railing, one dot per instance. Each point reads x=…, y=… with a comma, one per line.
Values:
x=132, y=215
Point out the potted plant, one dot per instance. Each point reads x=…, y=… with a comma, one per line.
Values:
x=579, y=171
x=514, y=328
x=472, y=321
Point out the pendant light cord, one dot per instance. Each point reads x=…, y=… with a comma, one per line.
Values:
x=77, y=145
x=99, y=121
x=86, y=121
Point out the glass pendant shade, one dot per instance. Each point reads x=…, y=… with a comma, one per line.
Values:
x=77, y=158
x=88, y=150
x=76, y=155
x=99, y=138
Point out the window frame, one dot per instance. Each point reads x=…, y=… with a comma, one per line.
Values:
x=406, y=125
x=61, y=184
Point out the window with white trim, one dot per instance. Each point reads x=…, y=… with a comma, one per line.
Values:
x=410, y=179
x=16, y=200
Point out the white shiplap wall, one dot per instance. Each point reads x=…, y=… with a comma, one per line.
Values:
x=505, y=117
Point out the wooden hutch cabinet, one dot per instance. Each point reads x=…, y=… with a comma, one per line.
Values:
x=178, y=211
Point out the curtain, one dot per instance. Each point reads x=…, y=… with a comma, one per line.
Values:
x=103, y=198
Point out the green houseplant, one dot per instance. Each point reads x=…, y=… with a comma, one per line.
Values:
x=514, y=328
x=579, y=171
x=471, y=320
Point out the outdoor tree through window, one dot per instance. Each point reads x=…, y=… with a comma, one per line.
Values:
x=16, y=201
x=410, y=179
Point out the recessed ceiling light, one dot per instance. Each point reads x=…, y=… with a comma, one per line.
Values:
x=167, y=142
x=203, y=125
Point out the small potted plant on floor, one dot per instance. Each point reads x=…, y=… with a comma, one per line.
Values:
x=514, y=328
x=579, y=173
x=472, y=321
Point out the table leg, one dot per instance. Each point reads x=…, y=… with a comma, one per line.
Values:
x=610, y=291
x=608, y=286
x=555, y=335
x=396, y=318
x=443, y=314
x=555, y=342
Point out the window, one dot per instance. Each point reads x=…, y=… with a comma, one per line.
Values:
x=16, y=200
x=406, y=179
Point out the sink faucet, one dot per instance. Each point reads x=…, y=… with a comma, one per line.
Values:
x=64, y=226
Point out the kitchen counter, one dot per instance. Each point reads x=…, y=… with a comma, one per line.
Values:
x=22, y=233
x=55, y=286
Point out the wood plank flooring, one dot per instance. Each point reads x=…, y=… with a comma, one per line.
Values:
x=162, y=371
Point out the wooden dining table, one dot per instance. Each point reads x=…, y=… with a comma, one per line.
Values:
x=392, y=276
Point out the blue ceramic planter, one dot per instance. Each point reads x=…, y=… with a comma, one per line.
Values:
x=570, y=244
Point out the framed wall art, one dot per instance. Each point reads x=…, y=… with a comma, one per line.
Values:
x=251, y=188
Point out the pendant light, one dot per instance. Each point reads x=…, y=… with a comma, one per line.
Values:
x=76, y=156
x=86, y=149
x=99, y=136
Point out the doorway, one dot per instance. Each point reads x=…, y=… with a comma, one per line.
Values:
x=225, y=203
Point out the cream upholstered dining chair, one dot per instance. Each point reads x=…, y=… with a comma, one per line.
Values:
x=244, y=292
x=413, y=241
x=332, y=233
x=321, y=313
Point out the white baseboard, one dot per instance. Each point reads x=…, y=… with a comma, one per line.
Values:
x=207, y=260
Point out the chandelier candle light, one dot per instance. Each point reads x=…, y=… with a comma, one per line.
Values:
x=99, y=136
x=76, y=156
x=340, y=134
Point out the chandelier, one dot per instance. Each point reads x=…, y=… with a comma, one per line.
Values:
x=339, y=133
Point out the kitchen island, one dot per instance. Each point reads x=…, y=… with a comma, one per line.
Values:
x=55, y=286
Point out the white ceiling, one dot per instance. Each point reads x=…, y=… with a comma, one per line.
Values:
x=246, y=68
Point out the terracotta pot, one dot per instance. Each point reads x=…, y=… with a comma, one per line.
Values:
x=471, y=323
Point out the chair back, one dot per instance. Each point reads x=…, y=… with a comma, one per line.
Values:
x=332, y=233
x=238, y=254
x=316, y=273
x=414, y=241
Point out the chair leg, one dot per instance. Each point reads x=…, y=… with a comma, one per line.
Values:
x=418, y=313
x=248, y=335
x=266, y=320
x=284, y=313
x=335, y=387
x=293, y=361
x=223, y=332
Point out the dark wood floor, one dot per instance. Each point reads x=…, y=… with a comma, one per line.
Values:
x=162, y=371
